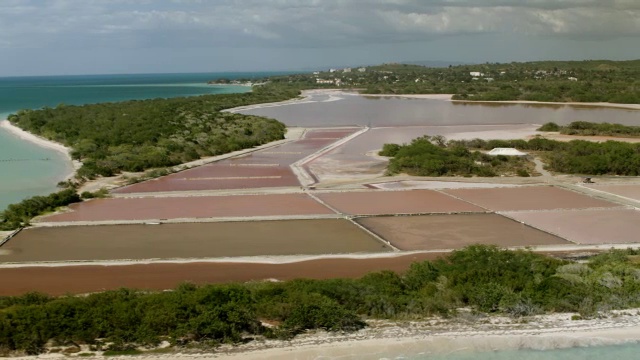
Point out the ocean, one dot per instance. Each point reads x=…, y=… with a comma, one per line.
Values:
x=27, y=169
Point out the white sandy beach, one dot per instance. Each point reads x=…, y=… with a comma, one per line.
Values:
x=27, y=136
x=42, y=142
x=439, y=336
x=431, y=337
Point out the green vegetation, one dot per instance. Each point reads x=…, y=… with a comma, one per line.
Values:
x=563, y=81
x=18, y=215
x=431, y=156
x=484, y=278
x=573, y=157
x=592, y=129
x=137, y=135
x=423, y=157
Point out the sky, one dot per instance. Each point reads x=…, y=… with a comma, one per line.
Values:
x=64, y=37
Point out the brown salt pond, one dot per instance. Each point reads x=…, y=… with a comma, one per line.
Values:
x=196, y=240
x=191, y=207
x=528, y=198
x=586, y=226
x=378, y=202
x=87, y=279
x=627, y=191
x=442, y=232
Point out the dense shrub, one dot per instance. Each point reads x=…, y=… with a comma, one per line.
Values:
x=486, y=278
x=17, y=215
x=141, y=134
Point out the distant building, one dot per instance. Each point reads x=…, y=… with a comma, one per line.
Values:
x=489, y=79
x=347, y=70
x=332, y=70
x=573, y=79
x=476, y=74
x=362, y=69
x=324, y=81
x=316, y=72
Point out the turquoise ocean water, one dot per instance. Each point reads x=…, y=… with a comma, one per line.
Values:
x=27, y=169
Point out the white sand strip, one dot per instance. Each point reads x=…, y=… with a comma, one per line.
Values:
x=42, y=142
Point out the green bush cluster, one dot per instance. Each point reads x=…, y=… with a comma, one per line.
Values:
x=137, y=135
x=592, y=129
x=17, y=215
x=431, y=156
x=485, y=278
x=573, y=157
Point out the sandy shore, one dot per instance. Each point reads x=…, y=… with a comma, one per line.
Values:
x=449, y=97
x=414, y=96
x=42, y=142
x=595, y=104
x=467, y=333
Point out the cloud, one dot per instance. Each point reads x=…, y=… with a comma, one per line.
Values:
x=301, y=23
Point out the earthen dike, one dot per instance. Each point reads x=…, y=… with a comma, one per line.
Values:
x=282, y=212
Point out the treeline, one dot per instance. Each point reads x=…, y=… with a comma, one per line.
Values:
x=18, y=215
x=433, y=156
x=592, y=129
x=561, y=81
x=485, y=278
x=140, y=134
x=573, y=157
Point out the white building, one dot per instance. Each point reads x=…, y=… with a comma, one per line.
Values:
x=347, y=70
x=573, y=79
x=362, y=69
x=476, y=74
x=506, y=152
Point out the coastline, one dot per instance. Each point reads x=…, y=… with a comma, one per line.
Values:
x=469, y=334
x=42, y=142
x=437, y=336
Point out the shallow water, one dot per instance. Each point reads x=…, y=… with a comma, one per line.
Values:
x=322, y=110
x=34, y=176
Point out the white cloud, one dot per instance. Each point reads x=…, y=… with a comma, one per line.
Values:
x=296, y=23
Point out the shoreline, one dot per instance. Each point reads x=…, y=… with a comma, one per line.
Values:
x=436, y=336
x=306, y=95
x=573, y=103
x=469, y=334
x=43, y=143
x=529, y=102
